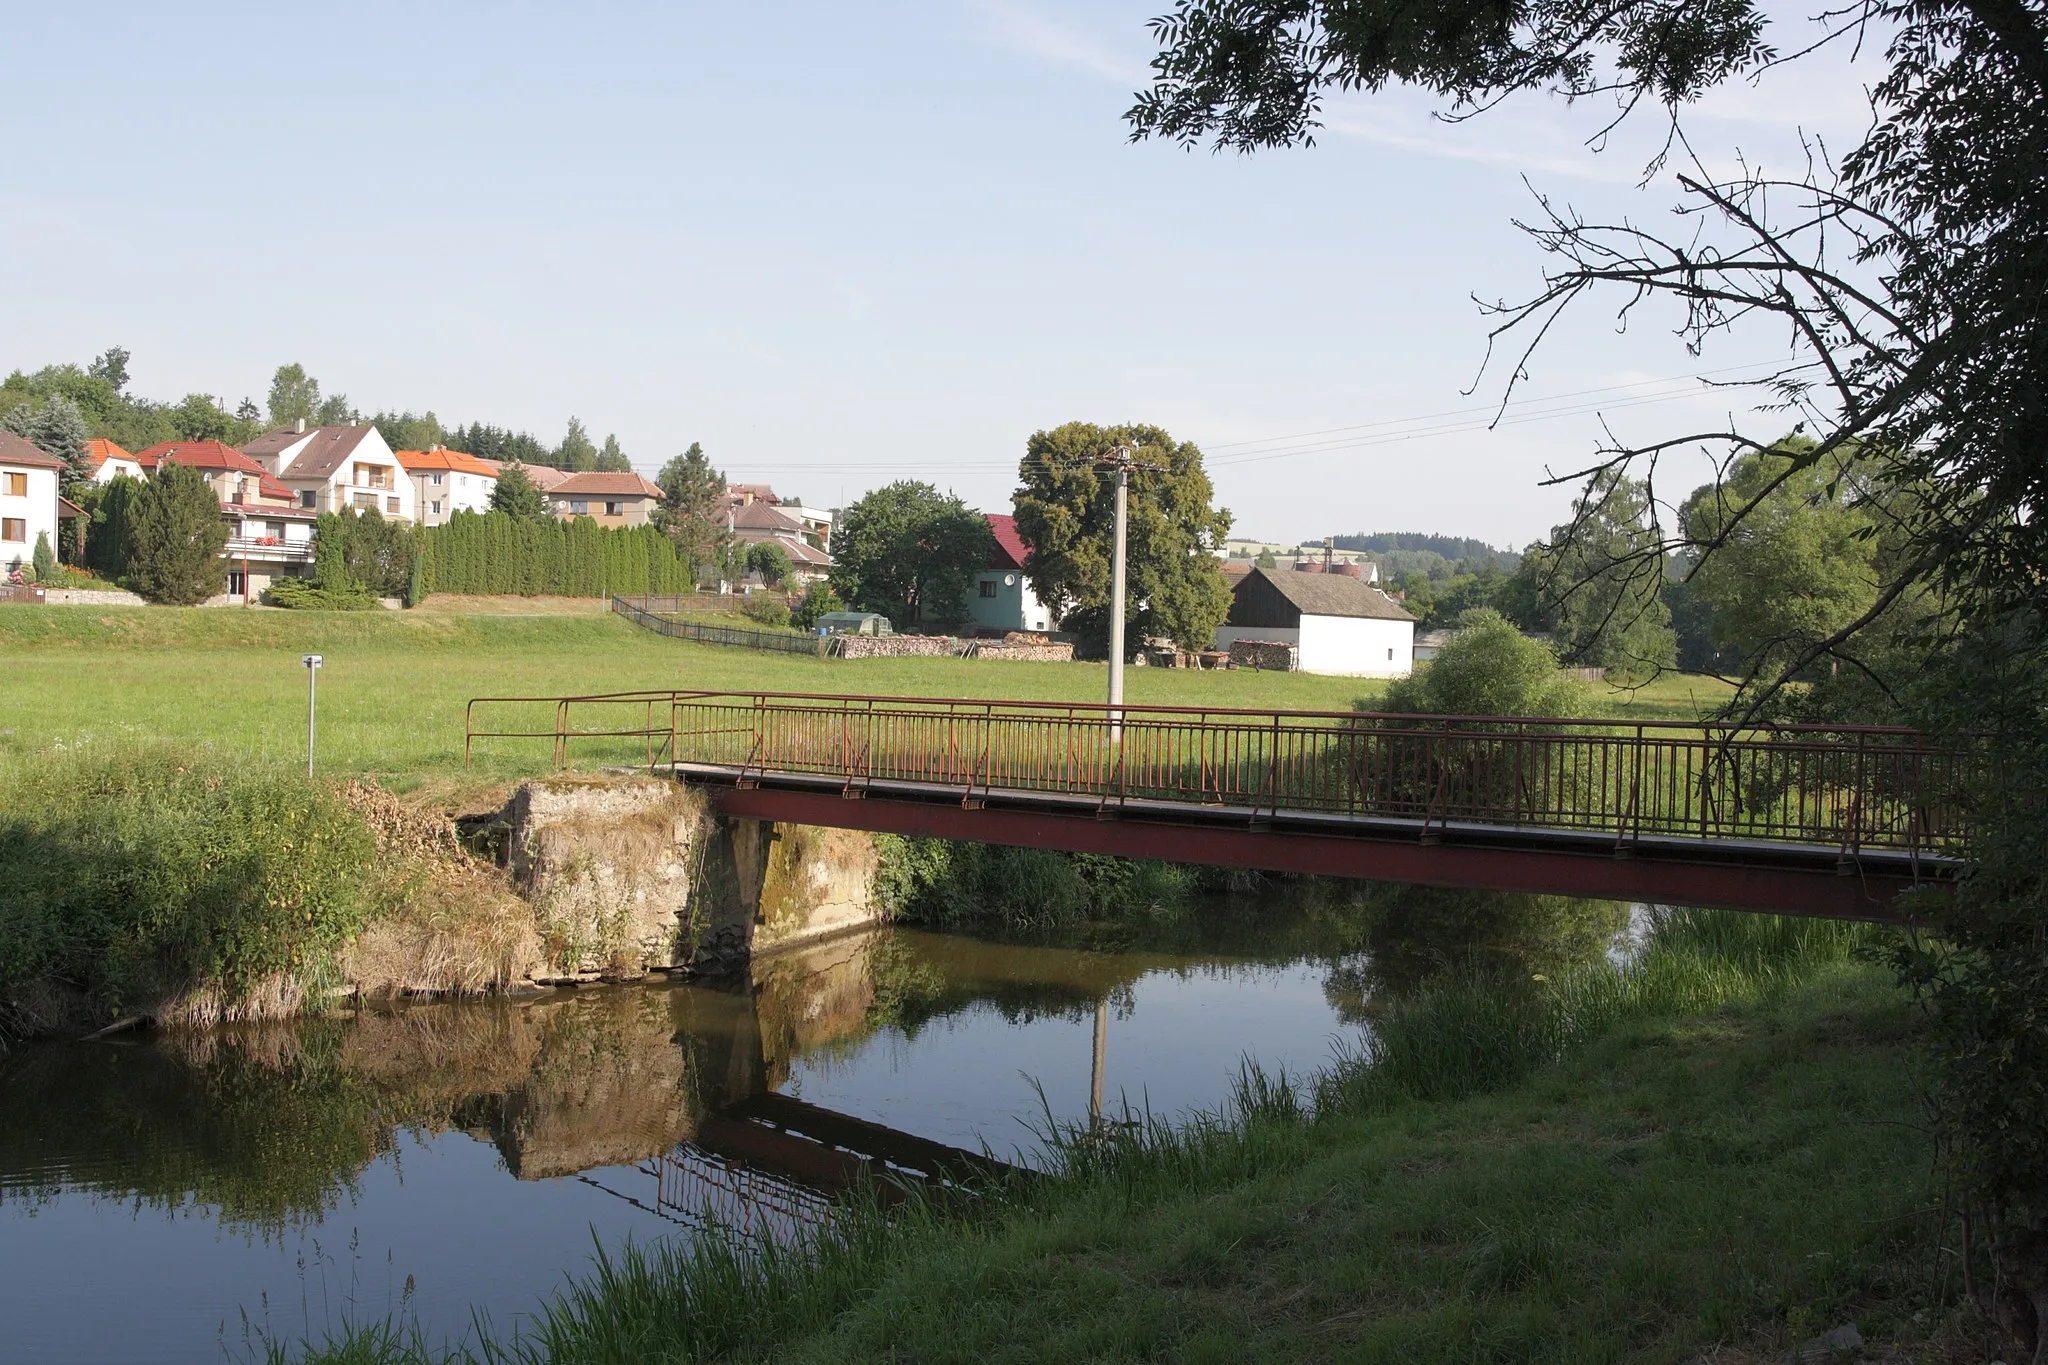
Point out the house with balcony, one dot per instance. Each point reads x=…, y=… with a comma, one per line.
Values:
x=29, y=505
x=337, y=469
x=270, y=536
x=445, y=482
x=609, y=499
x=814, y=524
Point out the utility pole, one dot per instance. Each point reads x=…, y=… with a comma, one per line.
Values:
x=1116, y=595
x=312, y=663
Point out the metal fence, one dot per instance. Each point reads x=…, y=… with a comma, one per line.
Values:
x=1846, y=786
x=643, y=611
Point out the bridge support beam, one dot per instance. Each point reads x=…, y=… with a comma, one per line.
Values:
x=1775, y=879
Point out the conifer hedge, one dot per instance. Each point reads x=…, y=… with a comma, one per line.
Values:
x=493, y=554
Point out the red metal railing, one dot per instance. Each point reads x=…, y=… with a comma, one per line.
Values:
x=1852, y=787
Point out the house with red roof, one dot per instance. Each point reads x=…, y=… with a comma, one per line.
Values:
x=270, y=535
x=1002, y=600
x=110, y=462
x=766, y=521
x=609, y=499
x=445, y=482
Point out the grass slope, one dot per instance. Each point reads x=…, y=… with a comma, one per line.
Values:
x=393, y=686
x=1729, y=1183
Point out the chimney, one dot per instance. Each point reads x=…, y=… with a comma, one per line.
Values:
x=301, y=427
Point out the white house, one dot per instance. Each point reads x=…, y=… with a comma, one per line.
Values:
x=332, y=469
x=1337, y=624
x=1002, y=599
x=109, y=461
x=28, y=500
x=445, y=482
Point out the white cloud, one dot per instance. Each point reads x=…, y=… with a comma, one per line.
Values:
x=1030, y=30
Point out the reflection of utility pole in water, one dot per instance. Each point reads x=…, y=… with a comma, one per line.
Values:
x=1096, y=1065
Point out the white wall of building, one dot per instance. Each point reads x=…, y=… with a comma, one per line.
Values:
x=114, y=467
x=24, y=514
x=457, y=491
x=1357, y=646
x=1009, y=604
x=1343, y=646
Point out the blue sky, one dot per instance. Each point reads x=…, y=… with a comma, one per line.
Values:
x=836, y=244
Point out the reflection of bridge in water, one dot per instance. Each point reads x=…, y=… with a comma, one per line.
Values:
x=669, y=1098
x=1811, y=820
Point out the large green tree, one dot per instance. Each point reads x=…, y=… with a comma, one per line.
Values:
x=1792, y=553
x=911, y=553
x=1601, y=580
x=576, y=451
x=295, y=395
x=58, y=429
x=612, y=458
x=175, y=537
x=409, y=430
x=1066, y=511
x=692, y=510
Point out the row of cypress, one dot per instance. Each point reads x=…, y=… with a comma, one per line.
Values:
x=494, y=554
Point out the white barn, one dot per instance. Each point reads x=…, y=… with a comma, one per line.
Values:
x=1337, y=624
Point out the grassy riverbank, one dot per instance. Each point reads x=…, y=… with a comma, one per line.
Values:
x=1715, y=1150
x=394, y=684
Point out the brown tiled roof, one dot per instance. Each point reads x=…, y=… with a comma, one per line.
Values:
x=541, y=476
x=328, y=451
x=1331, y=595
x=15, y=450
x=595, y=484
x=799, y=551
x=759, y=516
x=276, y=441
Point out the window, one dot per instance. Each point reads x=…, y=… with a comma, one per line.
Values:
x=363, y=500
x=434, y=479
x=17, y=485
x=306, y=497
x=988, y=587
x=14, y=528
x=392, y=505
x=579, y=509
x=615, y=509
x=435, y=507
x=234, y=582
x=274, y=529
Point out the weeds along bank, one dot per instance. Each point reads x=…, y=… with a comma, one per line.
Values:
x=1710, y=1154
x=148, y=880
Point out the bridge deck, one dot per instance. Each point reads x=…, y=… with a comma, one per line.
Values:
x=1795, y=819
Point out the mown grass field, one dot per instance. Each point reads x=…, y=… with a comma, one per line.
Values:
x=393, y=686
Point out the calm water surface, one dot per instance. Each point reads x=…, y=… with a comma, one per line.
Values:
x=445, y=1157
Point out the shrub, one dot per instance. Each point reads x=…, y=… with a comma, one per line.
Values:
x=1489, y=668
x=766, y=609
x=818, y=599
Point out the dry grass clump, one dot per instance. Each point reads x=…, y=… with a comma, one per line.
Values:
x=451, y=925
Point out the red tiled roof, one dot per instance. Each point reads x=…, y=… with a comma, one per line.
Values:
x=99, y=450
x=541, y=476
x=16, y=450
x=595, y=484
x=1009, y=549
x=454, y=460
x=197, y=455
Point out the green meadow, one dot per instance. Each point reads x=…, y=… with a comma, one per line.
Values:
x=393, y=686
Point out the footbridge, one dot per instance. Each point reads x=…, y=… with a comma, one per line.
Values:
x=1831, y=821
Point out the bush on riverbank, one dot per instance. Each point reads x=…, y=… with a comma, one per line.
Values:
x=154, y=880
x=1701, y=1149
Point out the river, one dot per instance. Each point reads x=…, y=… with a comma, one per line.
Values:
x=174, y=1198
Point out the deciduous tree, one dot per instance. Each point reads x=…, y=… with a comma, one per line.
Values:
x=1066, y=512
x=576, y=452
x=910, y=552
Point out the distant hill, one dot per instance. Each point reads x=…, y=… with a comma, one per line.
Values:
x=1398, y=546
